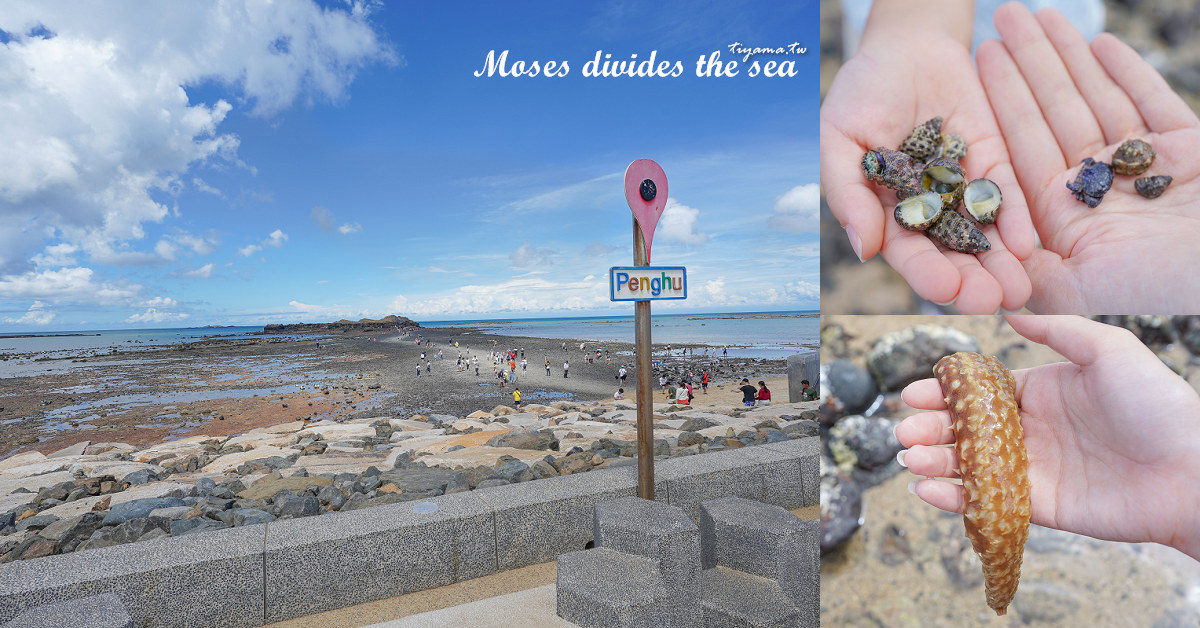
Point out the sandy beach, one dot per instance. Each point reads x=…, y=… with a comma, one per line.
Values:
x=223, y=387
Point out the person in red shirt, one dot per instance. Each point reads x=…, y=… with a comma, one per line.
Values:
x=763, y=398
x=704, y=382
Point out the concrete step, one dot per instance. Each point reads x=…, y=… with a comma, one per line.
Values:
x=740, y=600
x=602, y=587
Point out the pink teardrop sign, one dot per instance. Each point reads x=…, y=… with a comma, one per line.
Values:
x=646, y=193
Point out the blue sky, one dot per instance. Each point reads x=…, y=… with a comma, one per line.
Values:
x=172, y=164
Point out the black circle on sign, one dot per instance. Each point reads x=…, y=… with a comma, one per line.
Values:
x=648, y=190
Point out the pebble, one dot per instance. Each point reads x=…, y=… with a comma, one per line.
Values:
x=850, y=383
x=841, y=506
x=900, y=358
x=1045, y=601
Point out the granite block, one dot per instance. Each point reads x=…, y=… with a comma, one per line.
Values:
x=803, y=365
x=536, y=521
x=664, y=534
x=734, y=598
x=693, y=479
x=96, y=611
x=340, y=559
x=213, y=579
x=808, y=450
x=782, y=476
x=602, y=588
x=766, y=541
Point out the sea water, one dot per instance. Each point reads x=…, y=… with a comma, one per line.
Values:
x=745, y=334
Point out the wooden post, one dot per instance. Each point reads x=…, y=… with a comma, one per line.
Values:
x=645, y=386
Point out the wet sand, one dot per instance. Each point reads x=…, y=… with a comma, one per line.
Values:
x=223, y=387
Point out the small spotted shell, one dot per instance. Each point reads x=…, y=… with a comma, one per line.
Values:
x=1133, y=157
x=953, y=147
x=924, y=140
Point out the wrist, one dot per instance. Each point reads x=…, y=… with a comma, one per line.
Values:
x=902, y=22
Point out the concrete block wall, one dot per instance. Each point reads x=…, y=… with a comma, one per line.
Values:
x=259, y=574
x=801, y=366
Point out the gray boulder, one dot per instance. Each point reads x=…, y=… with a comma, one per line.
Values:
x=238, y=517
x=138, y=527
x=903, y=357
x=36, y=522
x=522, y=438
x=419, y=479
x=141, y=476
x=513, y=471
x=138, y=508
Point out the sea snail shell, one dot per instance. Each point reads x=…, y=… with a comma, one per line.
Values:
x=946, y=177
x=982, y=199
x=918, y=213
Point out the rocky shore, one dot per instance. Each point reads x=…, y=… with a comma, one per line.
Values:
x=93, y=495
x=889, y=559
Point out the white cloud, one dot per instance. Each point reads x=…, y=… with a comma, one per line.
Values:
x=165, y=249
x=274, y=240
x=678, y=224
x=98, y=121
x=56, y=255
x=199, y=245
x=64, y=284
x=166, y=302
x=798, y=210
x=324, y=219
x=204, y=272
x=37, y=315
x=527, y=256
x=517, y=295
x=152, y=315
x=201, y=186
x=567, y=197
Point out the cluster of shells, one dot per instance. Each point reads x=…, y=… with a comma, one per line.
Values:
x=1132, y=157
x=930, y=184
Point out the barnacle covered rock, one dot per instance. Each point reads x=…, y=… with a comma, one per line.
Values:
x=982, y=199
x=918, y=213
x=946, y=177
x=958, y=233
x=1092, y=182
x=953, y=147
x=1133, y=157
x=924, y=140
x=893, y=169
x=1152, y=187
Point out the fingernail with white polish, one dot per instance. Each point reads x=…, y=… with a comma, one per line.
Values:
x=900, y=457
x=855, y=242
x=912, y=487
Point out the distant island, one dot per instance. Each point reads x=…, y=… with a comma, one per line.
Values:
x=44, y=335
x=364, y=326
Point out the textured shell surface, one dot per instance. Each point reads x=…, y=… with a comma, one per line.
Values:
x=924, y=140
x=1152, y=187
x=982, y=200
x=953, y=147
x=1091, y=182
x=893, y=169
x=1133, y=157
x=946, y=177
x=958, y=234
x=980, y=395
x=918, y=213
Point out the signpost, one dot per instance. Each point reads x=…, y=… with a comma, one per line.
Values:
x=646, y=193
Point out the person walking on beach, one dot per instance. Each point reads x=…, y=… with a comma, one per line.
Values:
x=662, y=382
x=763, y=396
x=524, y=363
x=724, y=352
x=807, y=392
x=566, y=368
x=547, y=367
x=428, y=366
x=621, y=373
x=704, y=382
x=418, y=369
x=748, y=393
x=564, y=347
x=517, y=398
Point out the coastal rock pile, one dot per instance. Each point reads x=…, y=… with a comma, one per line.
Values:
x=103, y=494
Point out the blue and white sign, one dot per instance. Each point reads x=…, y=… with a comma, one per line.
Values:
x=647, y=283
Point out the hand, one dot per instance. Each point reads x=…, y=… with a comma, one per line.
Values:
x=1059, y=100
x=910, y=68
x=1113, y=437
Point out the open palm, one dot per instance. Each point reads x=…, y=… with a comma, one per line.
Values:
x=1112, y=437
x=1059, y=100
x=876, y=99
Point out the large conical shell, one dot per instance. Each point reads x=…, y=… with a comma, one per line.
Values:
x=918, y=213
x=959, y=234
x=982, y=200
x=924, y=140
x=946, y=177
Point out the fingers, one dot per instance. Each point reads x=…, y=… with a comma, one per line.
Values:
x=924, y=394
x=1074, y=125
x=980, y=292
x=856, y=206
x=926, y=269
x=1055, y=286
x=1116, y=113
x=926, y=428
x=931, y=462
x=944, y=495
x=1077, y=339
x=1160, y=107
x=1033, y=148
x=1014, y=223
x=1014, y=281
